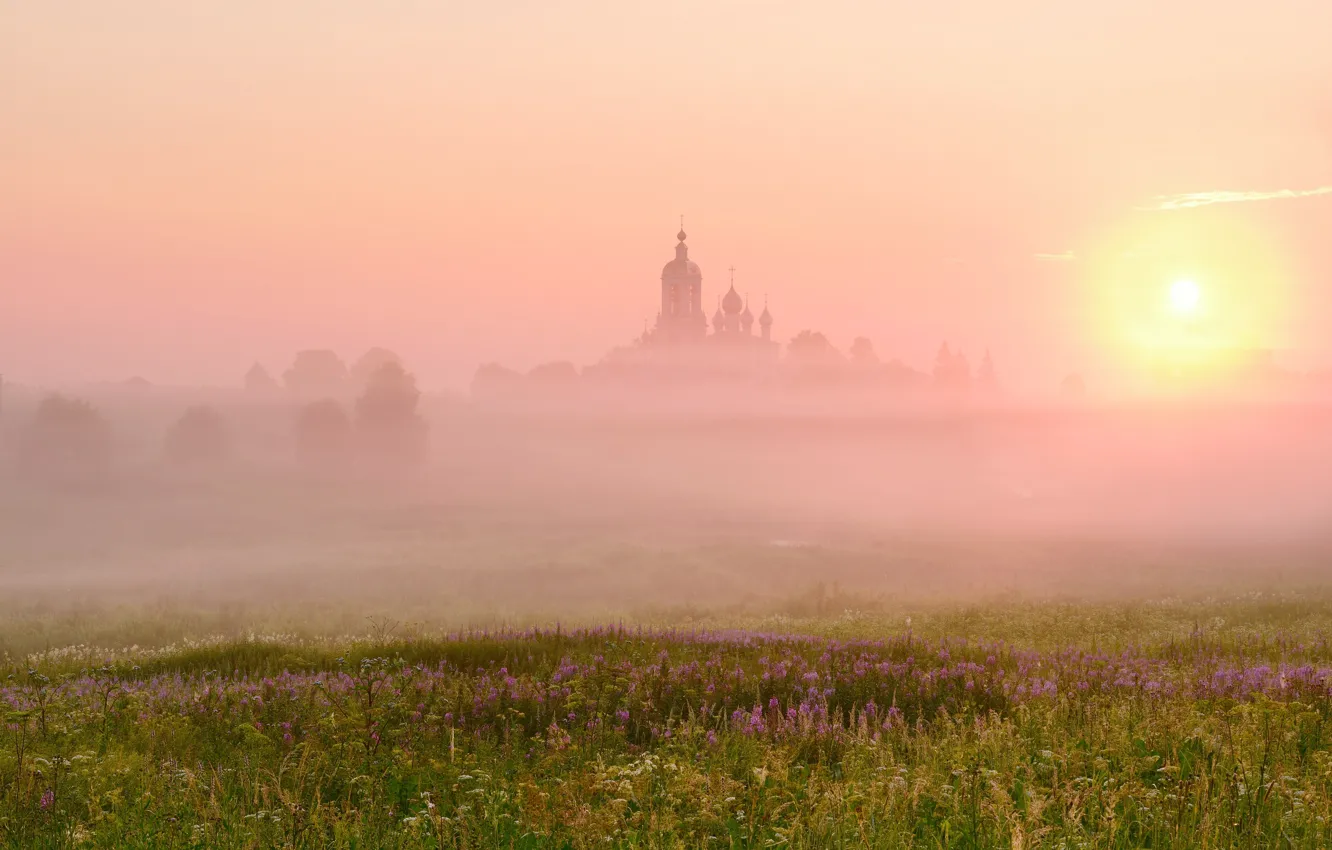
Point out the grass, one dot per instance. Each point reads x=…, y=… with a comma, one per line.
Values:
x=1181, y=723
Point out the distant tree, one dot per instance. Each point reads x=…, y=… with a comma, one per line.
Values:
x=985, y=376
x=200, y=435
x=323, y=432
x=369, y=363
x=68, y=440
x=898, y=374
x=943, y=364
x=812, y=347
x=387, y=421
x=493, y=379
x=316, y=372
x=862, y=352
x=951, y=369
x=961, y=377
x=257, y=380
x=560, y=372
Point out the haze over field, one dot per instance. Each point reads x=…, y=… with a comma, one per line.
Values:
x=584, y=516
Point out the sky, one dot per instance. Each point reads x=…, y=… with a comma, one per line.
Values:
x=186, y=188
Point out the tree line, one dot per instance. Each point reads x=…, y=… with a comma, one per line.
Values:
x=68, y=440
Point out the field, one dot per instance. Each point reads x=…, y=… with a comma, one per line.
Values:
x=553, y=642
x=852, y=731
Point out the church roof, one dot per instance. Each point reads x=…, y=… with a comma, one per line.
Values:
x=732, y=303
x=681, y=267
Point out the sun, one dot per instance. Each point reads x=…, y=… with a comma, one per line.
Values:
x=1185, y=296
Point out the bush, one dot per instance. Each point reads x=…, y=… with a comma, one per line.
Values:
x=200, y=435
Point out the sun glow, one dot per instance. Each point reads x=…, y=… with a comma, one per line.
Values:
x=1188, y=294
x=1184, y=297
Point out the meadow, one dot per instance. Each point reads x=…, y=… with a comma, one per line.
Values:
x=569, y=642
x=855, y=730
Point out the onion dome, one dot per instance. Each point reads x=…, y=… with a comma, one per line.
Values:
x=747, y=318
x=718, y=320
x=732, y=303
x=766, y=318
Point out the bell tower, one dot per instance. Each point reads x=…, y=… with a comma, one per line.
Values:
x=681, y=315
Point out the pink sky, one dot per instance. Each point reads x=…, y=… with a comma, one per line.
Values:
x=188, y=187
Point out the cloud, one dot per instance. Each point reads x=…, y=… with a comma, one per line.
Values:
x=1202, y=199
x=1065, y=257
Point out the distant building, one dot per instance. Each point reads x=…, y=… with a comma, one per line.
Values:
x=683, y=346
x=681, y=321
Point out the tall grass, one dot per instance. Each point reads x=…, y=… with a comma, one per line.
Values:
x=1200, y=724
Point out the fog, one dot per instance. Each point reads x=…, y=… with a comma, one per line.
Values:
x=618, y=507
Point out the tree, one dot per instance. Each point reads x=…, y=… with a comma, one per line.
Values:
x=387, y=421
x=323, y=432
x=895, y=373
x=812, y=347
x=943, y=364
x=369, y=363
x=492, y=379
x=951, y=369
x=68, y=440
x=862, y=352
x=985, y=374
x=200, y=435
x=961, y=377
x=560, y=372
x=315, y=373
x=257, y=380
